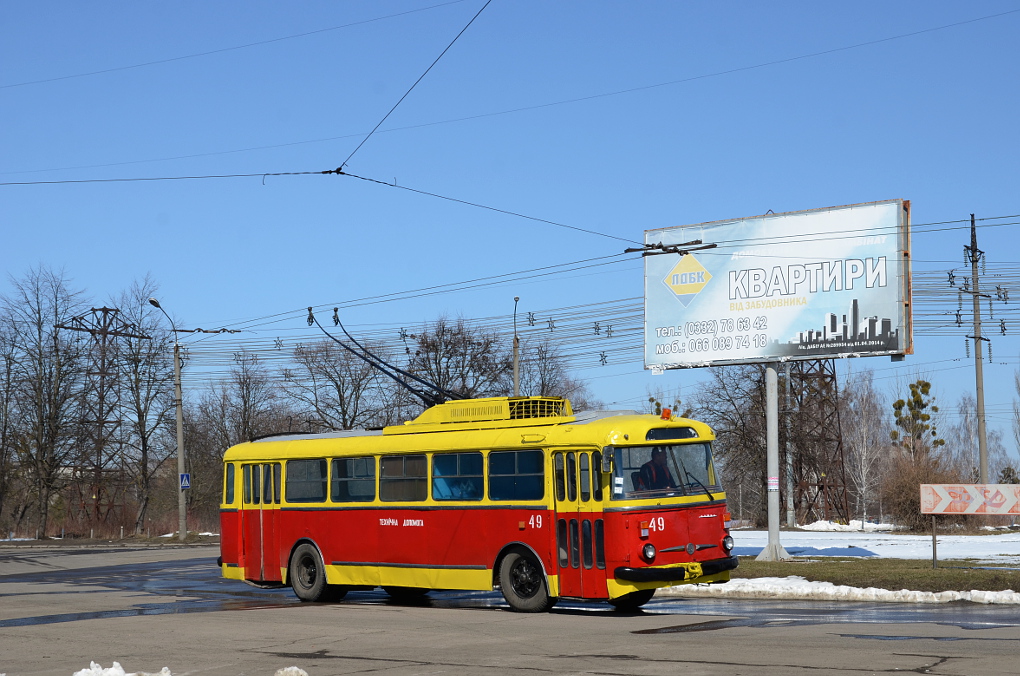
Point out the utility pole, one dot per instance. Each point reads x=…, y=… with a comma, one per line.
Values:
x=974, y=255
x=517, y=345
x=104, y=326
x=182, y=507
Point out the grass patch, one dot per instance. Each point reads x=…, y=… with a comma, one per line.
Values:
x=893, y=574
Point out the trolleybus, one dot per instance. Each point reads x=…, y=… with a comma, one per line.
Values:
x=512, y=493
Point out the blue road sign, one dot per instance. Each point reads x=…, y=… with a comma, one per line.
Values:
x=185, y=481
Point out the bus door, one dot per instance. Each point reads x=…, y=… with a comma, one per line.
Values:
x=580, y=540
x=260, y=540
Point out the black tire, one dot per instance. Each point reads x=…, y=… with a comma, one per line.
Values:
x=406, y=593
x=633, y=600
x=523, y=584
x=334, y=592
x=307, y=574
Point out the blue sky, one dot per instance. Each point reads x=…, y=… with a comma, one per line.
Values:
x=606, y=117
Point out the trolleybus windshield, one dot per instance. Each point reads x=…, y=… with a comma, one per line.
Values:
x=664, y=470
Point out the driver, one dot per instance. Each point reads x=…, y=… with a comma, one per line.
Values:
x=654, y=473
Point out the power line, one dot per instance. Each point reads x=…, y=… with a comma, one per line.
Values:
x=344, y=163
x=539, y=106
x=222, y=49
x=482, y=206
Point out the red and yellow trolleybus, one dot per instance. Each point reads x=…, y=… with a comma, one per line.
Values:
x=517, y=494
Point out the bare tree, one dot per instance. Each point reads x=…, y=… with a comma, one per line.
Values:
x=7, y=429
x=733, y=403
x=544, y=373
x=865, y=439
x=455, y=357
x=1016, y=409
x=245, y=407
x=339, y=390
x=48, y=368
x=147, y=404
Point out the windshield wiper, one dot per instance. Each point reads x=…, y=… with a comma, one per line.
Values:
x=693, y=478
x=703, y=487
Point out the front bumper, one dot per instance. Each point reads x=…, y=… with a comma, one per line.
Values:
x=679, y=573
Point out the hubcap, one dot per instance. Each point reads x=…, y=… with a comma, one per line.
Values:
x=524, y=579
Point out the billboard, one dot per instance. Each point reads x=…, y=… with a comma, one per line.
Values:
x=815, y=284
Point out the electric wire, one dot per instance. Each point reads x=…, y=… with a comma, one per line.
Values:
x=344, y=163
x=222, y=50
x=496, y=113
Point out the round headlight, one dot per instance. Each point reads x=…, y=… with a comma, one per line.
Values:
x=648, y=551
x=727, y=543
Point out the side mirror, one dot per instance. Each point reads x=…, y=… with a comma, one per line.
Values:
x=607, y=459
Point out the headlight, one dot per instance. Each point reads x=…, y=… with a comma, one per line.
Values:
x=648, y=551
x=727, y=543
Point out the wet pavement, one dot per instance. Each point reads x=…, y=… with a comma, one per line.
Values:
x=192, y=584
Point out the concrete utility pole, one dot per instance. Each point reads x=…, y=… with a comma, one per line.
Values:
x=182, y=508
x=975, y=254
x=517, y=345
x=773, y=551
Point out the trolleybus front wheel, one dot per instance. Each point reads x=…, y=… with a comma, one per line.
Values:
x=308, y=576
x=523, y=584
x=633, y=600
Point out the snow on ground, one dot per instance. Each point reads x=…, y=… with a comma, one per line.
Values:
x=812, y=540
x=827, y=539
x=117, y=670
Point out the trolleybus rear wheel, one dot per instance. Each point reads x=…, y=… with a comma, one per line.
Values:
x=633, y=600
x=307, y=574
x=523, y=584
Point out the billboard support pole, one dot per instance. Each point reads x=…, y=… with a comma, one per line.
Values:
x=774, y=551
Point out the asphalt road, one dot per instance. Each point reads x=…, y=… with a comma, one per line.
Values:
x=62, y=608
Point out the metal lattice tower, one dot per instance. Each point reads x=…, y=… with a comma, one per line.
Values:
x=99, y=413
x=815, y=441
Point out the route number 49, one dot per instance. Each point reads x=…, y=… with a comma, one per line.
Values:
x=658, y=524
x=535, y=521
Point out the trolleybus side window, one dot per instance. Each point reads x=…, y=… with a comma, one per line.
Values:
x=516, y=475
x=403, y=478
x=256, y=484
x=561, y=480
x=246, y=483
x=353, y=480
x=596, y=476
x=571, y=477
x=457, y=476
x=277, y=481
x=306, y=480
x=585, y=480
x=228, y=484
x=267, y=484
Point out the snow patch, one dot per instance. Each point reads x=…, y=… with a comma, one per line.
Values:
x=117, y=670
x=796, y=587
